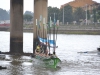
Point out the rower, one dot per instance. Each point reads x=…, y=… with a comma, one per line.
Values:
x=37, y=49
x=45, y=49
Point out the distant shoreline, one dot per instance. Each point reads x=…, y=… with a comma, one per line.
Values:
x=69, y=29
x=73, y=31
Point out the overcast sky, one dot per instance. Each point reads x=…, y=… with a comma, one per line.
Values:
x=28, y=4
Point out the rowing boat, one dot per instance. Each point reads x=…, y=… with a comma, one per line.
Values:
x=42, y=37
x=47, y=61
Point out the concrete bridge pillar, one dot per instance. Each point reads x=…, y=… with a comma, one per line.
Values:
x=16, y=29
x=40, y=10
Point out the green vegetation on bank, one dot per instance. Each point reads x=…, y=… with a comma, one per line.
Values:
x=69, y=15
x=78, y=15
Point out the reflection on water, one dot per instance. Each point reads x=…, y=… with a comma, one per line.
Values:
x=18, y=65
x=77, y=52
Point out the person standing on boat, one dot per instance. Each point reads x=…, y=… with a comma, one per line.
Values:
x=45, y=49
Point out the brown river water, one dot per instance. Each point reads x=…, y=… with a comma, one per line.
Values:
x=78, y=54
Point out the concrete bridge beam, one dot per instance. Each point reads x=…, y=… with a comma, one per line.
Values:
x=16, y=29
x=40, y=10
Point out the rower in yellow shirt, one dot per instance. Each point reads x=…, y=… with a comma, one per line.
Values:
x=37, y=49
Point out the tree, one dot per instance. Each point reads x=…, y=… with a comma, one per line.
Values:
x=94, y=15
x=61, y=15
x=79, y=14
x=98, y=15
x=27, y=17
x=53, y=12
x=29, y=13
x=4, y=15
x=68, y=13
x=88, y=14
x=98, y=8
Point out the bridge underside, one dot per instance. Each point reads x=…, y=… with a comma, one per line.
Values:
x=16, y=22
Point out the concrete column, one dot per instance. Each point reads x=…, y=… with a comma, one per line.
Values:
x=40, y=9
x=16, y=23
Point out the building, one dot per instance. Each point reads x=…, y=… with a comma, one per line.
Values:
x=90, y=4
x=5, y=23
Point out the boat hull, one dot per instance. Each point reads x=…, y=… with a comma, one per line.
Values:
x=51, y=62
